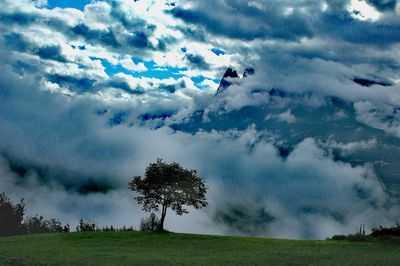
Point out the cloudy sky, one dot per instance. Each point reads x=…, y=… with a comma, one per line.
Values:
x=91, y=92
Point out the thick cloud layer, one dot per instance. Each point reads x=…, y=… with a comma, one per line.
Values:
x=308, y=195
x=89, y=98
x=246, y=20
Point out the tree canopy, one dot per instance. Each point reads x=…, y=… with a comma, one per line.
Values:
x=169, y=185
x=11, y=216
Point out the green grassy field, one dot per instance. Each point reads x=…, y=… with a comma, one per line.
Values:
x=133, y=248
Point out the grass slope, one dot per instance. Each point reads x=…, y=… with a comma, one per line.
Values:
x=133, y=248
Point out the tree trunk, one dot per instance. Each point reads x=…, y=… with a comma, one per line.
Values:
x=163, y=213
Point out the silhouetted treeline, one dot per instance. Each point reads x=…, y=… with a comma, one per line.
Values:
x=376, y=232
x=89, y=226
x=37, y=224
x=383, y=231
x=12, y=220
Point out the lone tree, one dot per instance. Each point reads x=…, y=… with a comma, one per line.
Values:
x=169, y=186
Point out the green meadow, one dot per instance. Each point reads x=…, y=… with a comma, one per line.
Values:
x=137, y=248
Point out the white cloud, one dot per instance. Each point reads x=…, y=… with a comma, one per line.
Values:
x=287, y=117
x=40, y=3
x=351, y=147
x=128, y=63
x=361, y=10
x=385, y=117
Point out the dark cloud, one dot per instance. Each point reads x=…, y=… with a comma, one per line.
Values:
x=20, y=43
x=16, y=41
x=367, y=82
x=123, y=33
x=50, y=52
x=197, y=61
x=123, y=84
x=361, y=32
x=168, y=88
x=129, y=22
x=19, y=18
x=73, y=83
x=285, y=21
x=384, y=5
x=197, y=34
x=139, y=39
x=165, y=42
x=111, y=37
x=106, y=37
x=239, y=20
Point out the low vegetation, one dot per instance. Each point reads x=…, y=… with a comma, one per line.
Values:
x=89, y=226
x=150, y=224
x=378, y=233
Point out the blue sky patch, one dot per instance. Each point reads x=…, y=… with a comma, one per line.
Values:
x=154, y=71
x=199, y=79
x=79, y=4
x=218, y=51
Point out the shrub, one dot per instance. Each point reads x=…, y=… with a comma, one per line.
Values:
x=383, y=231
x=358, y=237
x=352, y=237
x=125, y=229
x=150, y=224
x=89, y=226
x=115, y=229
x=108, y=229
x=37, y=224
x=86, y=226
x=338, y=237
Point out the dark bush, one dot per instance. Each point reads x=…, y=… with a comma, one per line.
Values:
x=338, y=237
x=379, y=232
x=351, y=237
x=358, y=237
x=37, y=224
x=383, y=231
x=108, y=229
x=115, y=229
x=150, y=224
x=125, y=229
x=86, y=226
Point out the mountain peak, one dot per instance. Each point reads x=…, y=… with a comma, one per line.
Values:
x=248, y=72
x=229, y=73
